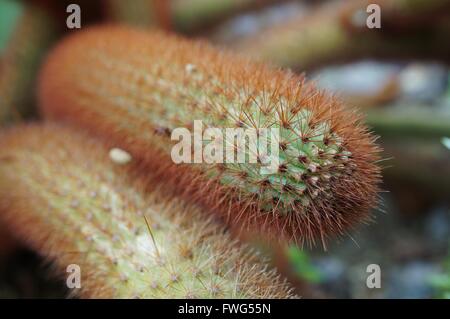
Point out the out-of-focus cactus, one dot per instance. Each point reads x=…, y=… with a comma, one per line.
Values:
x=74, y=202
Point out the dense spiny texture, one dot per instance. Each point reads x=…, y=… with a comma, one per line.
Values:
x=71, y=202
x=31, y=34
x=134, y=88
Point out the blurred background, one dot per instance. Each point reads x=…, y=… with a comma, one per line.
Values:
x=391, y=64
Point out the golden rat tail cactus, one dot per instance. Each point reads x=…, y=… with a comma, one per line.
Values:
x=139, y=89
x=74, y=202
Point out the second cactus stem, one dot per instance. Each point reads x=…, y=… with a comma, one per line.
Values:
x=76, y=204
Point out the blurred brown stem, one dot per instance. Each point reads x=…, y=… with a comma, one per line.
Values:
x=420, y=163
x=185, y=16
x=337, y=32
x=409, y=123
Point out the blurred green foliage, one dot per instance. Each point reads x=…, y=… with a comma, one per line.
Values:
x=302, y=265
x=10, y=11
x=441, y=282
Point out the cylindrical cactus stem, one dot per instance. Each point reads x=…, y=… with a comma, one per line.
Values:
x=26, y=33
x=75, y=202
x=136, y=88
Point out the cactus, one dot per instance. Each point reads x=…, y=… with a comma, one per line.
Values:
x=76, y=205
x=135, y=88
x=26, y=34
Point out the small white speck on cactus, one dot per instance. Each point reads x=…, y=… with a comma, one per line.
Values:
x=119, y=156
